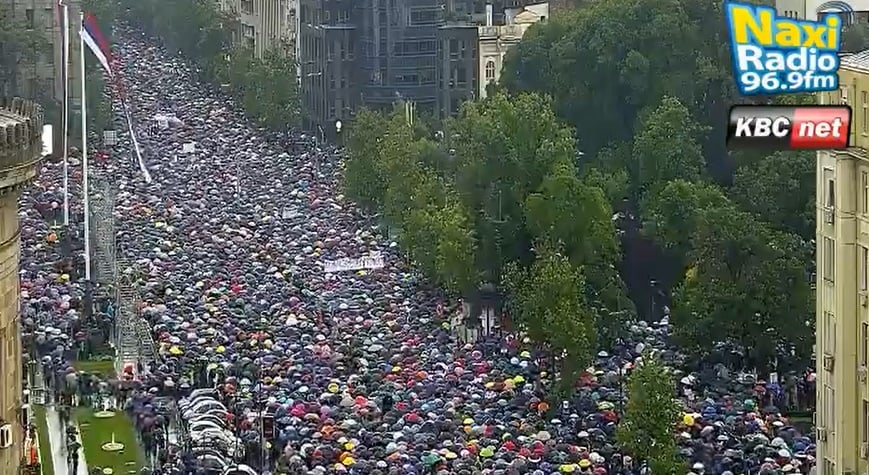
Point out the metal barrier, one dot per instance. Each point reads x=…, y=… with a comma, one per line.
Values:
x=102, y=206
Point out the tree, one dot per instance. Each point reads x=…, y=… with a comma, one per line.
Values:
x=673, y=214
x=666, y=148
x=503, y=149
x=365, y=180
x=547, y=302
x=780, y=189
x=607, y=62
x=441, y=242
x=575, y=216
x=646, y=430
x=747, y=283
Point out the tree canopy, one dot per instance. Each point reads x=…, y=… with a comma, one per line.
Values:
x=725, y=237
x=646, y=431
x=498, y=198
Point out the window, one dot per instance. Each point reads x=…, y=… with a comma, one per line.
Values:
x=490, y=70
x=864, y=112
x=829, y=333
x=247, y=7
x=864, y=416
x=864, y=181
x=420, y=17
x=29, y=18
x=828, y=256
x=863, y=265
x=864, y=345
x=831, y=194
x=829, y=408
x=462, y=76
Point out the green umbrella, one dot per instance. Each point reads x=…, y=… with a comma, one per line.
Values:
x=430, y=459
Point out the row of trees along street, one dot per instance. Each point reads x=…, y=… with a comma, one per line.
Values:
x=599, y=167
x=211, y=39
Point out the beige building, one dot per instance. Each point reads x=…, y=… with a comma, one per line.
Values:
x=263, y=23
x=20, y=151
x=44, y=80
x=495, y=41
x=842, y=315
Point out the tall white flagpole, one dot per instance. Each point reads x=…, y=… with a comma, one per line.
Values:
x=65, y=39
x=84, y=161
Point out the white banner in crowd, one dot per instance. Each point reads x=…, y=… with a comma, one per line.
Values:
x=188, y=148
x=374, y=261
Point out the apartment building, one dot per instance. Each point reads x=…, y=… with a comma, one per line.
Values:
x=262, y=23
x=327, y=62
x=851, y=11
x=842, y=314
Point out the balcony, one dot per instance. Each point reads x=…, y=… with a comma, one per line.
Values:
x=504, y=33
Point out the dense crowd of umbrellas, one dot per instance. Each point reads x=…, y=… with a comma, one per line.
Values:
x=281, y=367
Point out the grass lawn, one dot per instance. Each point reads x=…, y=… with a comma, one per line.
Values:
x=95, y=432
x=104, y=367
x=44, y=444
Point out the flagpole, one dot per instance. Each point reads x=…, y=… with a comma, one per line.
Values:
x=84, y=161
x=65, y=74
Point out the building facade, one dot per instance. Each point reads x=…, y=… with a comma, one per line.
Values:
x=262, y=23
x=496, y=40
x=842, y=314
x=20, y=152
x=43, y=80
x=851, y=11
x=375, y=53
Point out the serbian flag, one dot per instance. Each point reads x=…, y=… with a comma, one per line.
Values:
x=96, y=42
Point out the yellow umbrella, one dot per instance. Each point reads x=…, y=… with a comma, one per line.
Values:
x=175, y=351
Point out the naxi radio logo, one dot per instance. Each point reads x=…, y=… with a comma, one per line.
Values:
x=779, y=55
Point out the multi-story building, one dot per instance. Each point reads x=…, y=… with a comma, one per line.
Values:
x=327, y=61
x=262, y=23
x=496, y=40
x=20, y=152
x=842, y=314
x=419, y=51
x=851, y=11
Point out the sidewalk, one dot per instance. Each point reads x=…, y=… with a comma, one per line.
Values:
x=56, y=434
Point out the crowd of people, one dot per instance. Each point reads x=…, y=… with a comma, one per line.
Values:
x=347, y=372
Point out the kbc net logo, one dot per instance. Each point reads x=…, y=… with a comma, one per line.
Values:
x=778, y=55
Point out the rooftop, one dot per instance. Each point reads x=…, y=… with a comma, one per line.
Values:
x=858, y=61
